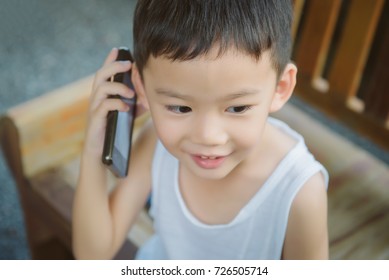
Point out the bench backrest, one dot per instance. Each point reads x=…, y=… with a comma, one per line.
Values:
x=46, y=131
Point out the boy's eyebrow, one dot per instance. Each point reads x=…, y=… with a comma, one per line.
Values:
x=242, y=93
x=231, y=96
x=173, y=94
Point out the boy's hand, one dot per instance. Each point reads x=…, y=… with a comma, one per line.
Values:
x=100, y=104
x=102, y=219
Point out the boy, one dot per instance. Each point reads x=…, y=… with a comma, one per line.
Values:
x=227, y=181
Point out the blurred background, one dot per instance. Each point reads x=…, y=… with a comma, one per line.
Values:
x=46, y=44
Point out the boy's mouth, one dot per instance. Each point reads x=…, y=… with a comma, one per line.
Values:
x=208, y=162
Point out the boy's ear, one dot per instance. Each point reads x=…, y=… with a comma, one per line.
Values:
x=139, y=86
x=285, y=87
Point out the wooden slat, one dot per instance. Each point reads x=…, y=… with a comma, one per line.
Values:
x=355, y=41
x=376, y=96
x=51, y=127
x=49, y=135
x=297, y=10
x=54, y=155
x=317, y=31
x=70, y=94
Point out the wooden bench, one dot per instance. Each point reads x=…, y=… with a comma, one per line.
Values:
x=42, y=140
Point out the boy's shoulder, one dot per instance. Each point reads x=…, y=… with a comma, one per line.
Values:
x=282, y=137
x=284, y=144
x=279, y=140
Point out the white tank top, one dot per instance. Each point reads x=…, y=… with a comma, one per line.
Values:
x=257, y=232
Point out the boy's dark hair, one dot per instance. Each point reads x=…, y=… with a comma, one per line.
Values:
x=185, y=29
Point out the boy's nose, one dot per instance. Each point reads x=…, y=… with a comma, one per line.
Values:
x=209, y=131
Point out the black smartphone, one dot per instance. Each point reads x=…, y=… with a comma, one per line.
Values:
x=118, y=134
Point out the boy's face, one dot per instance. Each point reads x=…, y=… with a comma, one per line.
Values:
x=209, y=112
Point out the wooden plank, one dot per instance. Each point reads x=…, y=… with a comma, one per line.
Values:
x=34, y=109
x=355, y=41
x=53, y=130
x=53, y=155
x=51, y=127
x=298, y=6
x=376, y=95
x=46, y=136
x=317, y=31
x=50, y=141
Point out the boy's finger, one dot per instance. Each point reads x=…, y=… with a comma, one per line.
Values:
x=106, y=89
x=106, y=72
x=113, y=54
x=109, y=105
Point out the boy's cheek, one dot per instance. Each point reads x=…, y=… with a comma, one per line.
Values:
x=166, y=131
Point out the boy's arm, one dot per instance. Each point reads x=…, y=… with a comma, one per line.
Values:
x=307, y=231
x=132, y=192
x=101, y=220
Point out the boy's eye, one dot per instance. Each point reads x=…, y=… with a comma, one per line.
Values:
x=238, y=109
x=178, y=109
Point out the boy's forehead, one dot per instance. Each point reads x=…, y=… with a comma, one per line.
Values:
x=231, y=70
x=228, y=59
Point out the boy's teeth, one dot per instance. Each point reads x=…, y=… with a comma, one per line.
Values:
x=204, y=157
